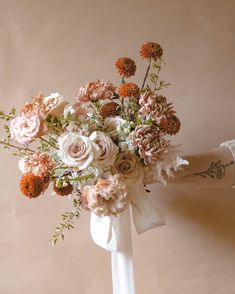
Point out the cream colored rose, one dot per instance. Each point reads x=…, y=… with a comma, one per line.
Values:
x=55, y=104
x=128, y=167
x=113, y=125
x=76, y=150
x=106, y=147
x=108, y=197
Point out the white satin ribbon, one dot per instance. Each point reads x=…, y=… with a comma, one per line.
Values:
x=114, y=235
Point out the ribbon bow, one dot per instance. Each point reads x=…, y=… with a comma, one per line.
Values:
x=114, y=234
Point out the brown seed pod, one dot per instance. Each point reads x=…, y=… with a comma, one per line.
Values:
x=64, y=191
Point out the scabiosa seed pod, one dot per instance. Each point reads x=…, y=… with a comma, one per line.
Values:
x=151, y=50
x=173, y=125
x=32, y=186
x=63, y=191
x=126, y=67
x=110, y=109
x=129, y=90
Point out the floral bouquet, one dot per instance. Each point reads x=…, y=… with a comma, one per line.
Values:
x=104, y=149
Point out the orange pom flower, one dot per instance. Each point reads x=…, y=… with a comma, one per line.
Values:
x=151, y=50
x=126, y=67
x=129, y=90
x=32, y=186
x=63, y=191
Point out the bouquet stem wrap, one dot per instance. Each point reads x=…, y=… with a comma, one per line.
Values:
x=114, y=235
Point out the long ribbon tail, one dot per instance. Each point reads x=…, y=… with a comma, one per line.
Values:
x=145, y=217
x=120, y=247
x=122, y=258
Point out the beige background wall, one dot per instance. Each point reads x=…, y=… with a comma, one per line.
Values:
x=58, y=46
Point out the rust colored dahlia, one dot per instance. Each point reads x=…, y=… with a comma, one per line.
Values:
x=173, y=125
x=64, y=191
x=129, y=90
x=151, y=50
x=126, y=67
x=109, y=109
x=150, y=143
x=32, y=186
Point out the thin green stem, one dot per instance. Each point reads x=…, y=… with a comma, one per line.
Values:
x=77, y=179
x=17, y=147
x=53, y=139
x=49, y=143
x=156, y=80
x=146, y=75
x=7, y=115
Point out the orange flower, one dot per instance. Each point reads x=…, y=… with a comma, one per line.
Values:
x=63, y=191
x=32, y=186
x=109, y=109
x=129, y=90
x=126, y=67
x=151, y=50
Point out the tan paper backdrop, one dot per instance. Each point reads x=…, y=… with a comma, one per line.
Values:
x=58, y=45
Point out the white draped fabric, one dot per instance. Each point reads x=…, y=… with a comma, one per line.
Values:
x=114, y=235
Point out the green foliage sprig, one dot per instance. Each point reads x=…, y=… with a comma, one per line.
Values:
x=67, y=222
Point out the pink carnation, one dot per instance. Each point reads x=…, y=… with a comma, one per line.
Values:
x=108, y=197
x=39, y=164
x=26, y=127
x=96, y=90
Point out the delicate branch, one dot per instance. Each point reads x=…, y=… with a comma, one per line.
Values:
x=67, y=221
x=77, y=179
x=16, y=147
x=49, y=143
x=156, y=79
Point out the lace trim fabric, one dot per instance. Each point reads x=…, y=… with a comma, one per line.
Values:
x=231, y=146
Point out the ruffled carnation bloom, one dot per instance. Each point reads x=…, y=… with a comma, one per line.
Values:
x=32, y=186
x=26, y=127
x=107, y=149
x=76, y=150
x=107, y=197
x=129, y=90
x=37, y=104
x=126, y=67
x=127, y=166
x=151, y=50
x=149, y=142
x=38, y=164
x=55, y=104
x=97, y=90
